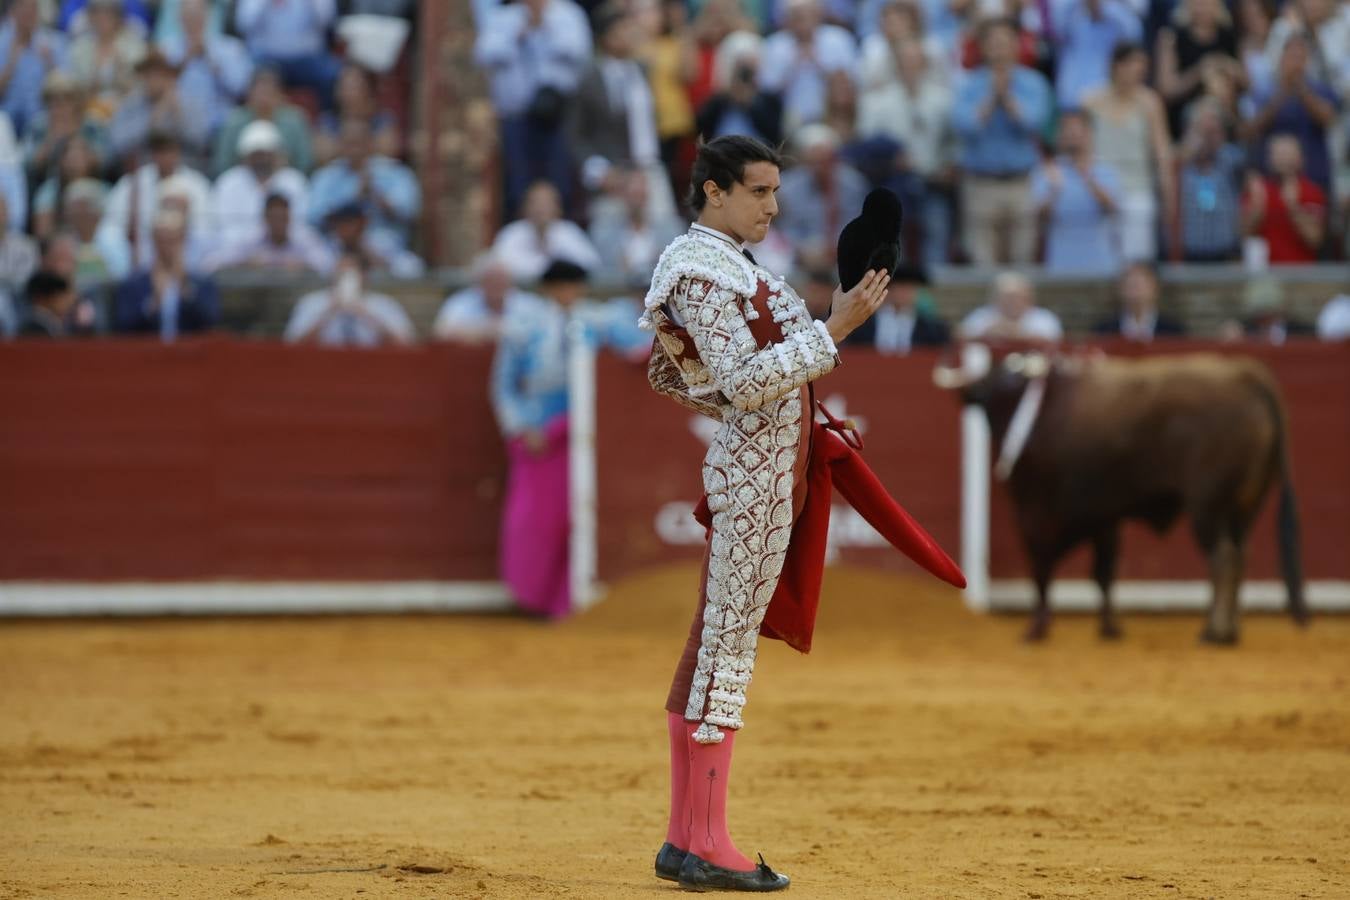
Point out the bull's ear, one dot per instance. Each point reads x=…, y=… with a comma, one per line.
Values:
x=1036, y=365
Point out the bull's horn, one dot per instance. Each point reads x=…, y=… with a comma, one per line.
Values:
x=1036, y=365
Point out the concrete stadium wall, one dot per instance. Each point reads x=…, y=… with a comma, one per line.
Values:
x=1201, y=296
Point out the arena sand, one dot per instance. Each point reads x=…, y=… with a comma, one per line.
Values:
x=919, y=751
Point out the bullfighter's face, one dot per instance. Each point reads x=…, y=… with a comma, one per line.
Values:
x=745, y=211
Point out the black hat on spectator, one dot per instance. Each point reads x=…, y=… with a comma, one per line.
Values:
x=871, y=241
x=562, y=271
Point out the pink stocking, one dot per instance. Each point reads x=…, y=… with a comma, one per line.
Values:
x=677, y=832
x=709, y=768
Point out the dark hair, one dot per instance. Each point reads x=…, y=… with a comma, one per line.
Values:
x=1123, y=51
x=988, y=25
x=162, y=140
x=605, y=18
x=563, y=271
x=346, y=212
x=44, y=285
x=1076, y=112
x=266, y=70
x=723, y=161
x=277, y=200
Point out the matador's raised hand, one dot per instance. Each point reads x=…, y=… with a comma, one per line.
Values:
x=851, y=309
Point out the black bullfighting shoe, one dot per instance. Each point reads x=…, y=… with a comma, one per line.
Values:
x=668, y=861
x=698, y=874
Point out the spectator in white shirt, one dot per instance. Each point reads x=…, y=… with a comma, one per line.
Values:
x=1333, y=322
x=346, y=314
x=529, y=244
x=474, y=315
x=914, y=108
x=629, y=231
x=135, y=199
x=280, y=242
x=796, y=61
x=240, y=191
x=1012, y=314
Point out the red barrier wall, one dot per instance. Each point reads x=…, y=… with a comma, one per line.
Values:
x=224, y=458
x=649, y=456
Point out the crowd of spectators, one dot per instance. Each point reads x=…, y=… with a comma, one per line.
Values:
x=145, y=146
x=1082, y=134
x=1093, y=137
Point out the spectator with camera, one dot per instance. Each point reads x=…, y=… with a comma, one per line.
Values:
x=737, y=105
x=348, y=313
x=534, y=52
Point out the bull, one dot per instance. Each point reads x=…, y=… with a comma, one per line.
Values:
x=1086, y=443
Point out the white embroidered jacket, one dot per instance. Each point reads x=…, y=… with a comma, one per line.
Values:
x=703, y=284
x=702, y=295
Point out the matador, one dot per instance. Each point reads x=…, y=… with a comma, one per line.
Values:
x=734, y=342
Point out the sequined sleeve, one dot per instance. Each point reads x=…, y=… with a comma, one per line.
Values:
x=748, y=376
x=665, y=378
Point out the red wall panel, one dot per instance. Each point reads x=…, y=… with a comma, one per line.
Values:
x=226, y=458
x=649, y=457
x=223, y=458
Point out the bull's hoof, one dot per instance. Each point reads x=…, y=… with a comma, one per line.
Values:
x=1110, y=632
x=1302, y=618
x=1219, y=638
x=1036, y=632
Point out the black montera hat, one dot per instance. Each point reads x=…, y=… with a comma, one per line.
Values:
x=872, y=240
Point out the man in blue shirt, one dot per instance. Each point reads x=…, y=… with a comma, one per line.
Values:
x=215, y=69
x=1089, y=33
x=28, y=53
x=293, y=36
x=385, y=189
x=999, y=115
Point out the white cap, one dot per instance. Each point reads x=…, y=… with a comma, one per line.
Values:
x=259, y=135
x=817, y=134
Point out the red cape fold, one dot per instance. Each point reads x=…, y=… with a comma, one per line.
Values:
x=791, y=616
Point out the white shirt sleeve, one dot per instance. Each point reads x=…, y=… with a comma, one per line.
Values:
x=307, y=311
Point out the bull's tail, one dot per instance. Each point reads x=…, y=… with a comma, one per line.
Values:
x=1291, y=557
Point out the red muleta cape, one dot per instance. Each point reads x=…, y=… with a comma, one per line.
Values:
x=834, y=463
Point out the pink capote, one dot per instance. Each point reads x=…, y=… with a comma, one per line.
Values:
x=534, y=537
